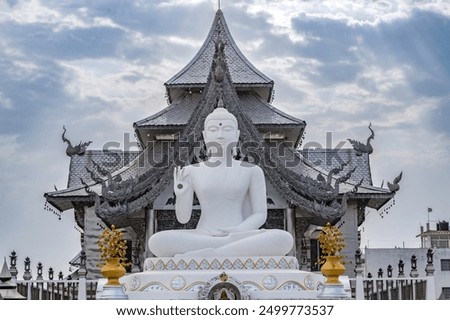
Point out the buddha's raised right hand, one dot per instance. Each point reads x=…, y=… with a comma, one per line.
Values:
x=181, y=181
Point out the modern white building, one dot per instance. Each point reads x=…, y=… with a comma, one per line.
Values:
x=436, y=239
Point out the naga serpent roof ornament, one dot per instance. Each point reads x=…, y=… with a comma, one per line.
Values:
x=361, y=148
x=395, y=186
x=71, y=150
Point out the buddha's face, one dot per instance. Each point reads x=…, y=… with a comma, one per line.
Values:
x=220, y=135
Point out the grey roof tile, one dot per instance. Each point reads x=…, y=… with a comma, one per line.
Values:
x=109, y=160
x=327, y=159
x=126, y=163
x=323, y=160
x=179, y=112
x=262, y=112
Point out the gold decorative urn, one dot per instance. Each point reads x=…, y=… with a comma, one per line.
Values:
x=113, y=270
x=331, y=243
x=332, y=269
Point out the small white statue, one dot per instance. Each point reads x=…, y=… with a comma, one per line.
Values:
x=232, y=196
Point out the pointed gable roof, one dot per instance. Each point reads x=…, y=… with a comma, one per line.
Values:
x=5, y=274
x=242, y=72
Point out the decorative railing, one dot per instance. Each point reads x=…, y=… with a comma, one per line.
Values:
x=73, y=287
x=391, y=289
x=402, y=287
x=81, y=289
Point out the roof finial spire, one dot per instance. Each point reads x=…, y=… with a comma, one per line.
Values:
x=218, y=1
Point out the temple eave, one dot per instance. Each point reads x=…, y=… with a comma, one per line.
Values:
x=260, y=111
x=66, y=203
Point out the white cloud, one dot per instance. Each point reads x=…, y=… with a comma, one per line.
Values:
x=138, y=39
x=35, y=12
x=386, y=80
x=181, y=3
x=251, y=46
x=419, y=147
x=188, y=42
x=294, y=72
x=111, y=79
x=379, y=94
x=115, y=91
x=351, y=11
x=19, y=65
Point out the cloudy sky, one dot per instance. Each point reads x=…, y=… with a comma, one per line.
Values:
x=98, y=66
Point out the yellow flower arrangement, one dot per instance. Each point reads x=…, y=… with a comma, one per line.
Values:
x=112, y=245
x=331, y=241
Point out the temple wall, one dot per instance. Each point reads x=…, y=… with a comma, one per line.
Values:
x=161, y=201
x=349, y=227
x=92, y=231
x=278, y=202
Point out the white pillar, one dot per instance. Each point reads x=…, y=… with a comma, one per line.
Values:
x=29, y=285
x=149, y=229
x=431, y=285
x=349, y=228
x=82, y=288
x=431, y=288
x=82, y=277
x=290, y=226
x=359, y=293
x=40, y=287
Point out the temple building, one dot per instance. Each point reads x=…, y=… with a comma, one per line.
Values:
x=134, y=190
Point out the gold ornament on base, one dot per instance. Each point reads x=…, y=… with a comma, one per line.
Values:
x=113, y=250
x=331, y=242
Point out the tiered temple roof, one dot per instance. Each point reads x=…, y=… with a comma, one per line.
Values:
x=184, y=91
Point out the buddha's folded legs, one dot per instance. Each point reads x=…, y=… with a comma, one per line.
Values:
x=248, y=243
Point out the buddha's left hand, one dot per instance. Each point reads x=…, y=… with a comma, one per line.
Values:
x=229, y=230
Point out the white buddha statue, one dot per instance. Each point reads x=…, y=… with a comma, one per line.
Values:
x=232, y=196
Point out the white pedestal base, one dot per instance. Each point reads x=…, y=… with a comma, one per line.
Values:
x=113, y=293
x=333, y=292
x=254, y=277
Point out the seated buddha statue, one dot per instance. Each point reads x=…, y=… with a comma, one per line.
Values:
x=232, y=196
